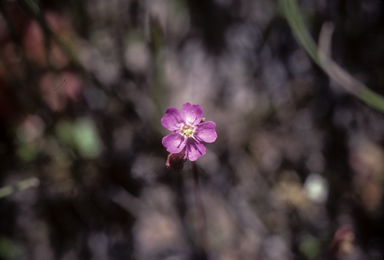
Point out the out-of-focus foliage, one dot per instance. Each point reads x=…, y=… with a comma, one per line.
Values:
x=296, y=171
x=9, y=251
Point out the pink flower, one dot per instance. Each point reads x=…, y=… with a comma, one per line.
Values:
x=188, y=131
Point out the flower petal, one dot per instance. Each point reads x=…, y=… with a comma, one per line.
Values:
x=194, y=150
x=174, y=142
x=172, y=120
x=192, y=114
x=206, y=132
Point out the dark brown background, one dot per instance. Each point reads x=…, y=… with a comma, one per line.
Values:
x=86, y=123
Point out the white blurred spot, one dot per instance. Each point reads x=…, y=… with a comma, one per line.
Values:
x=316, y=188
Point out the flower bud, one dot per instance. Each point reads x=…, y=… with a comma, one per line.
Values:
x=176, y=161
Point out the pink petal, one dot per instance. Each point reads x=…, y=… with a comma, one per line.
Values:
x=172, y=120
x=174, y=142
x=192, y=114
x=194, y=150
x=206, y=132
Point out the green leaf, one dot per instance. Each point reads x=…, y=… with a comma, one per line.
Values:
x=86, y=138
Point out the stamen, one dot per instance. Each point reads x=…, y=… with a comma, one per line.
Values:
x=187, y=130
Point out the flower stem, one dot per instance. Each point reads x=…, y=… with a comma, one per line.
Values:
x=199, y=202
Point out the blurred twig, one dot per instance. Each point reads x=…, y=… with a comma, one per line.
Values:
x=21, y=185
x=156, y=42
x=322, y=56
x=200, y=206
x=36, y=13
x=15, y=34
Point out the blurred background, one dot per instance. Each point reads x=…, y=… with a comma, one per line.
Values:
x=297, y=170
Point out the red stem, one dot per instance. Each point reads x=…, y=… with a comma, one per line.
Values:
x=200, y=206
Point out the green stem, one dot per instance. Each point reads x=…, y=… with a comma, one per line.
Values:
x=302, y=35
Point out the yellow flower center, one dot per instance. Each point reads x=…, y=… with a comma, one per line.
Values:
x=187, y=130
